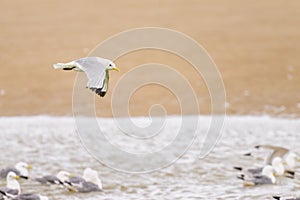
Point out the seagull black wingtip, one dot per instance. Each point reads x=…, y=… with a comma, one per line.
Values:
x=98, y=91
x=276, y=197
x=66, y=68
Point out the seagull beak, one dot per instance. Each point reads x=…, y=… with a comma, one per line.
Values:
x=298, y=159
x=72, y=189
x=71, y=175
x=29, y=167
x=16, y=177
x=116, y=69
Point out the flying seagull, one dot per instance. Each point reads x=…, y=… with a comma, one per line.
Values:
x=97, y=70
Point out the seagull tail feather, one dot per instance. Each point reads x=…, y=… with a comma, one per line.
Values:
x=65, y=66
x=238, y=168
x=276, y=197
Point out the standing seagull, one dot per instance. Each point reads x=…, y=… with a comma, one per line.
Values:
x=90, y=182
x=21, y=169
x=12, y=185
x=13, y=190
x=96, y=70
x=59, y=179
x=266, y=177
x=277, y=165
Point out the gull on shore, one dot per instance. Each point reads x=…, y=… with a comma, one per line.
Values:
x=12, y=191
x=266, y=177
x=277, y=165
x=89, y=182
x=21, y=169
x=59, y=179
x=12, y=185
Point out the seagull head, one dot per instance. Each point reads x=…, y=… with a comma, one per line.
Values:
x=12, y=176
x=23, y=165
x=11, y=181
x=291, y=160
x=268, y=171
x=112, y=66
x=277, y=165
x=23, y=168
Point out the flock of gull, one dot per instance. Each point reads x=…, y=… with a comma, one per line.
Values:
x=280, y=163
x=89, y=182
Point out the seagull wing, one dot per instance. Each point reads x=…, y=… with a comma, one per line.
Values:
x=48, y=180
x=280, y=152
x=95, y=69
x=87, y=187
x=255, y=171
x=261, y=180
x=9, y=191
x=27, y=197
x=76, y=180
x=4, y=172
x=276, y=152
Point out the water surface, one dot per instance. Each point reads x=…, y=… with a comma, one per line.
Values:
x=51, y=144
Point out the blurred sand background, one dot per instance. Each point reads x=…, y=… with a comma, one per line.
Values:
x=255, y=44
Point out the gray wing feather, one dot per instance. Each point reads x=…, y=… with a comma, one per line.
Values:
x=277, y=152
x=260, y=180
x=4, y=172
x=48, y=180
x=255, y=171
x=87, y=187
x=251, y=171
x=94, y=68
x=27, y=197
x=76, y=180
x=9, y=191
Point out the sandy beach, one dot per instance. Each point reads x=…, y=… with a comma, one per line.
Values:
x=256, y=46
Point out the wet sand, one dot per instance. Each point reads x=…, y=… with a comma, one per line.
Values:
x=256, y=46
